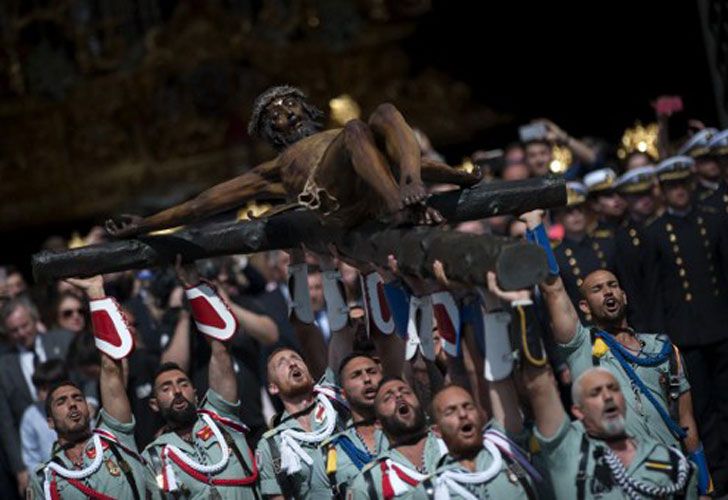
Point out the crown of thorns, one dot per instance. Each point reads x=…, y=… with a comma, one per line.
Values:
x=264, y=99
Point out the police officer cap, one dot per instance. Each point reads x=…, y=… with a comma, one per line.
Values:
x=697, y=145
x=636, y=180
x=575, y=193
x=718, y=144
x=674, y=168
x=600, y=180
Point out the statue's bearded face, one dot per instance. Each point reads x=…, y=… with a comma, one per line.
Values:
x=287, y=120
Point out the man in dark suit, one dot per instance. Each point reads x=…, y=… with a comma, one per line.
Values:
x=27, y=348
x=687, y=278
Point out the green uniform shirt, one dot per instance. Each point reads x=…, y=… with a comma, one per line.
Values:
x=109, y=479
x=346, y=470
x=359, y=488
x=204, y=450
x=505, y=485
x=643, y=420
x=561, y=453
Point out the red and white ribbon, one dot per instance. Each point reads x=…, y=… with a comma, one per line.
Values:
x=453, y=480
x=447, y=315
x=378, y=313
x=111, y=332
x=212, y=315
x=398, y=479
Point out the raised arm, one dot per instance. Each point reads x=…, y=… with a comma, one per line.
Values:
x=220, y=373
x=561, y=311
x=111, y=385
x=261, y=181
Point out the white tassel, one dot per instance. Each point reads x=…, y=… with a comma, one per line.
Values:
x=452, y=480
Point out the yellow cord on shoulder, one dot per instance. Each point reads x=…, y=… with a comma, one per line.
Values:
x=526, y=352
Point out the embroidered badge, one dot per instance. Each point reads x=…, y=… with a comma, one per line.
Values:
x=113, y=468
x=205, y=433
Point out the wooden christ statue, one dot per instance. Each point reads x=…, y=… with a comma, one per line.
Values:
x=362, y=171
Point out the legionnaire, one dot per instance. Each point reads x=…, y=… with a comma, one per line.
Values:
x=710, y=188
x=636, y=187
x=596, y=456
x=687, y=267
x=414, y=450
x=659, y=398
x=349, y=451
x=100, y=464
x=475, y=467
x=578, y=254
x=604, y=202
x=202, y=451
x=289, y=453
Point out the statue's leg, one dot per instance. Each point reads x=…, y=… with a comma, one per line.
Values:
x=355, y=148
x=402, y=148
x=438, y=172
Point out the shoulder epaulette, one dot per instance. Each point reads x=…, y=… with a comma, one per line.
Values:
x=602, y=233
x=708, y=209
x=270, y=433
x=373, y=463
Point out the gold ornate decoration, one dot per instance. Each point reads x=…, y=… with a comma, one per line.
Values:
x=562, y=158
x=343, y=108
x=642, y=138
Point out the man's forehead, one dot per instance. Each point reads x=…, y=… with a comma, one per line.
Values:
x=66, y=390
x=358, y=363
x=169, y=375
x=598, y=378
x=452, y=395
x=599, y=276
x=284, y=353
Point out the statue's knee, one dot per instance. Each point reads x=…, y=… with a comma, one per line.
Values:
x=356, y=129
x=385, y=112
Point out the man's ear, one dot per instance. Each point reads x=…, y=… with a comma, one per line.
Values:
x=436, y=430
x=154, y=405
x=576, y=411
x=273, y=389
x=584, y=307
x=51, y=424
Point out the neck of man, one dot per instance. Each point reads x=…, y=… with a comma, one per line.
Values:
x=679, y=211
x=298, y=406
x=467, y=458
x=623, y=447
x=638, y=217
x=414, y=452
x=74, y=445
x=183, y=430
x=575, y=235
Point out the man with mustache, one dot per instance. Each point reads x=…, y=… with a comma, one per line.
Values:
x=344, y=172
x=202, y=451
x=102, y=463
x=473, y=468
x=289, y=453
x=348, y=452
x=597, y=457
x=649, y=365
x=414, y=450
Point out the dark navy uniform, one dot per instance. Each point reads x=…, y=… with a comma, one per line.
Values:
x=687, y=275
x=629, y=243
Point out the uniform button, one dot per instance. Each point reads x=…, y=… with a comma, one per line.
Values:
x=668, y=226
x=706, y=243
x=703, y=231
x=675, y=248
x=688, y=297
x=572, y=261
x=600, y=255
x=700, y=220
x=725, y=198
x=714, y=280
x=633, y=232
x=595, y=246
x=681, y=272
x=636, y=242
x=579, y=281
x=604, y=265
x=673, y=238
x=576, y=271
x=686, y=285
x=679, y=261
x=568, y=252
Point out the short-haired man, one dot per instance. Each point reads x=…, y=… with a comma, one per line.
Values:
x=349, y=451
x=289, y=453
x=597, y=457
x=474, y=467
x=103, y=463
x=202, y=451
x=414, y=450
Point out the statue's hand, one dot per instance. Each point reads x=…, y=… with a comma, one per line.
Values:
x=123, y=226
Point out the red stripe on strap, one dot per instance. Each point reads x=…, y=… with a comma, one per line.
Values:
x=199, y=476
x=89, y=492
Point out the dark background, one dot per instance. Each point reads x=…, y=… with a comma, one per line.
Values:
x=592, y=68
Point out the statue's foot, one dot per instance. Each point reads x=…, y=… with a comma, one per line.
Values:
x=412, y=192
x=417, y=215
